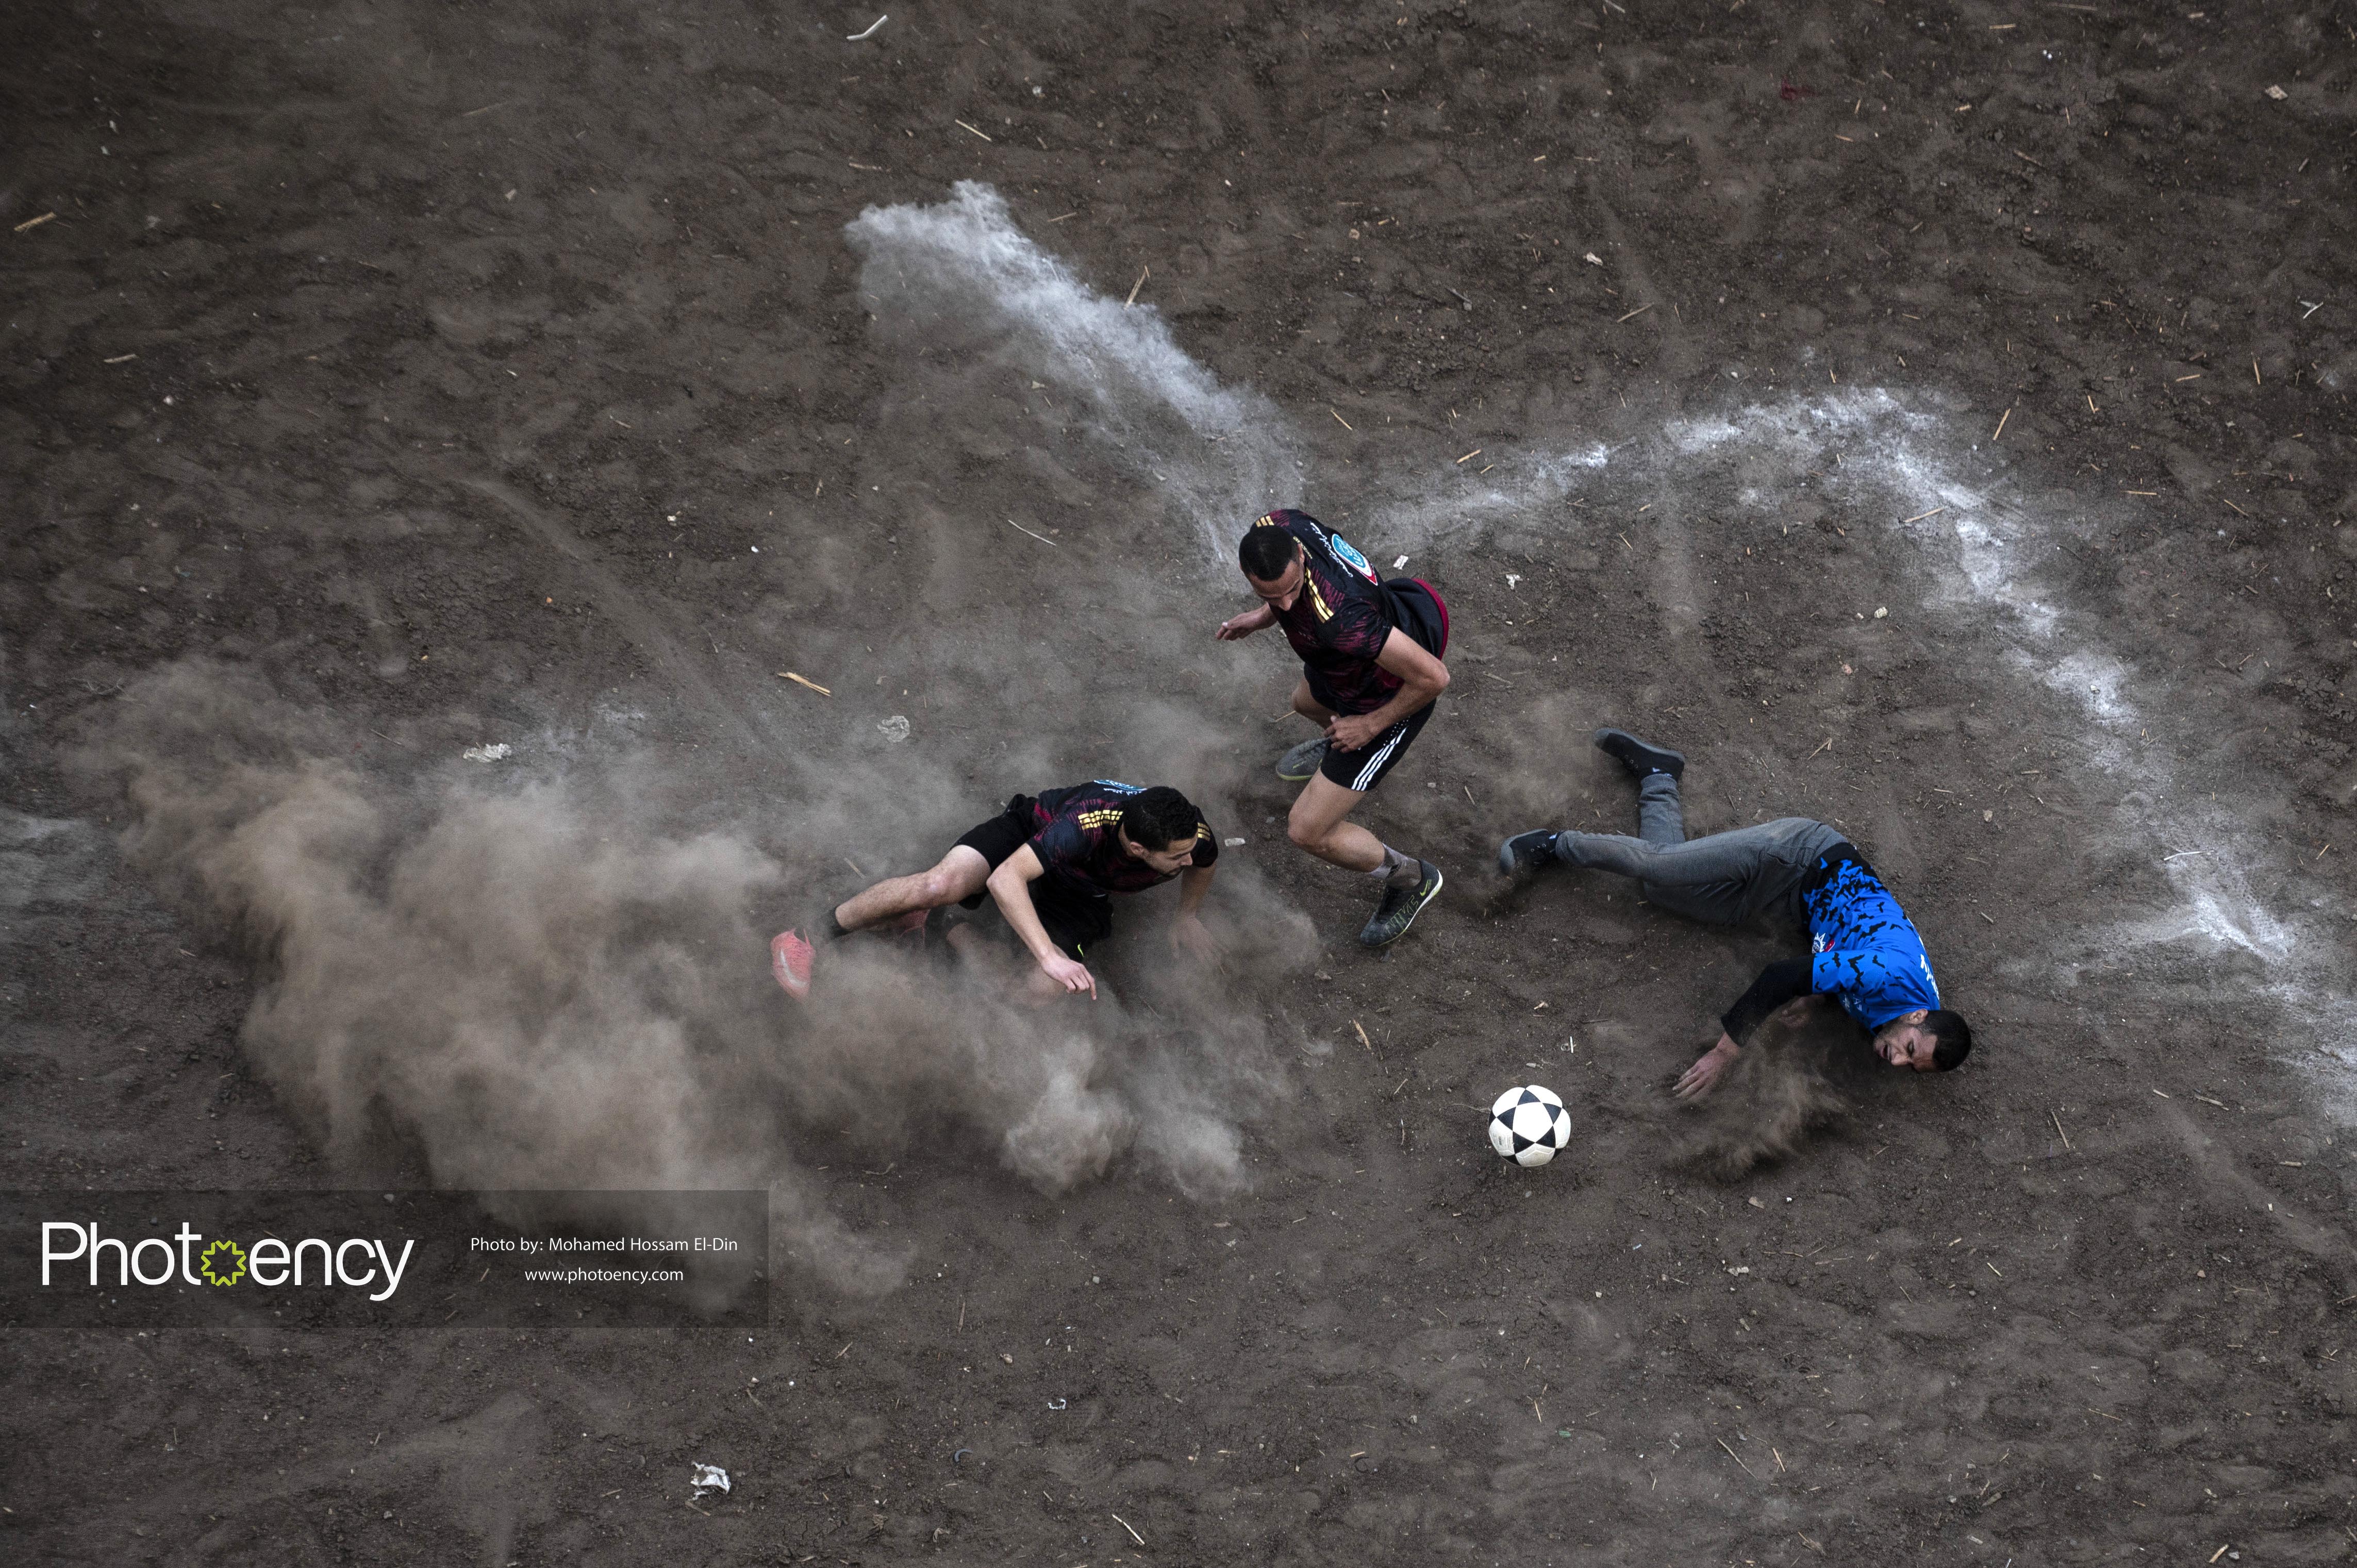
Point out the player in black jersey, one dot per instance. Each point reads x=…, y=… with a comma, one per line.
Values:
x=1050, y=863
x=1371, y=667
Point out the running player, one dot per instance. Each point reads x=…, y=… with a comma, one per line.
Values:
x=1050, y=862
x=1864, y=951
x=1371, y=667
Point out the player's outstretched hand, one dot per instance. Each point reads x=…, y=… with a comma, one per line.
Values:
x=1189, y=936
x=1244, y=625
x=1708, y=1069
x=1071, y=976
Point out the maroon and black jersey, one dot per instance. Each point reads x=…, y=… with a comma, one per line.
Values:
x=1078, y=840
x=1343, y=614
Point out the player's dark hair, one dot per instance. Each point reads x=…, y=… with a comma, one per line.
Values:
x=1954, y=1036
x=1264, y=553
x=1157, y=818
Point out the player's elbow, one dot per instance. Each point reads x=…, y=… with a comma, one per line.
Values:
x=1439, y=679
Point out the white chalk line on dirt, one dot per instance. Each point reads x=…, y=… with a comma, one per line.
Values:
x=1891, y=457
x=966, y=256
x=963, y=267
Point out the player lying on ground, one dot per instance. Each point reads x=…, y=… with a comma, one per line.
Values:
x=1049, y=862
x=1371, y=667
x=1864, y=951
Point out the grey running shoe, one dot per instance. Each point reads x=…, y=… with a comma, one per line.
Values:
x=1527, y=851
x=1301, y=763
x=1639, y=756
x=1400, y=906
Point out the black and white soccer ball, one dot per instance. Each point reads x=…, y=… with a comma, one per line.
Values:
x=1529, y=1125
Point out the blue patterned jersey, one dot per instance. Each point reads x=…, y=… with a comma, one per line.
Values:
x=1863, y=948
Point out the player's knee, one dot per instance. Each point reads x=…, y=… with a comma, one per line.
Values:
x=1304, y=832
x=941, y=887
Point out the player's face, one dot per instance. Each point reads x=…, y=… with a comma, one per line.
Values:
x=1906, y=1043
x=1176, y=856
x=1281, y=593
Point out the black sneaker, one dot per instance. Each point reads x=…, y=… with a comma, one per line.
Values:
x=1302, y=762
x=1400, y=906
x=1639, y=756
x=1527, y=851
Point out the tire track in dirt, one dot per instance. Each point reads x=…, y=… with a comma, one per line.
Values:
x=643, y=626
x=1677, y=362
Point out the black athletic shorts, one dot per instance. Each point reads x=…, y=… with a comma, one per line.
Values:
x=1364, y=768
x=1073, y=921
x=1424, y=616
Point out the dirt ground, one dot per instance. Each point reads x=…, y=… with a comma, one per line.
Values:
x=1931, y=419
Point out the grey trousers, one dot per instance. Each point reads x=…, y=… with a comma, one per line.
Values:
x=1727, y=879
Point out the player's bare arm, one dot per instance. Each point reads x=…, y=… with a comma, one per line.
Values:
x=1422, y=679
x=1187, y=934
x=1236, y=628
x=1010, y=886
x=1708, y=1069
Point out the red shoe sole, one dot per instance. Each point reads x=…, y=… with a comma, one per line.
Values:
x=790, y=961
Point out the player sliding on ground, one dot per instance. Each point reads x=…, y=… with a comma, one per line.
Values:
x=1864, y=951
x=1049, y=862
x=1371, y=667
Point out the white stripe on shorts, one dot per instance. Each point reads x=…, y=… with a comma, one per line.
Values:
x=1365, y=781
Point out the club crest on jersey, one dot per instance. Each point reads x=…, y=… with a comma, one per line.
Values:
x=1349, y=556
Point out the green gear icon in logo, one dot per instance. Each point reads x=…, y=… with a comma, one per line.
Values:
x=227, y=1273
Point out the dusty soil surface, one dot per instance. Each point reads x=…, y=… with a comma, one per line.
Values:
x=397, y=379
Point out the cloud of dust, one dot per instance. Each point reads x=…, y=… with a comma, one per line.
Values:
x=959, y=279
x=1794, y=1078
x=537, y=986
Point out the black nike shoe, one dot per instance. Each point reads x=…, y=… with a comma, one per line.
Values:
x=1400, y=906
x=1527, y=853
x=1638, y=756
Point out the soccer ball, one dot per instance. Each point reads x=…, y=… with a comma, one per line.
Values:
x=1528, y=1125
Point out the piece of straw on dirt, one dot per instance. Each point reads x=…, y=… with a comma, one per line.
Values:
x=2000, y=425
x=1921, y=515
x=1362, y=1035
x=1135, y=286
x=984, y=135
x=34, y=222
x=855, y=38
x=1634, y=314
x=1340, y=420
x=1020, y=529
x=804, y=680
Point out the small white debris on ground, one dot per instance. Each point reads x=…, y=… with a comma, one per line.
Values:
x=498, y=752
x=711, y=1479
x=894, y=729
